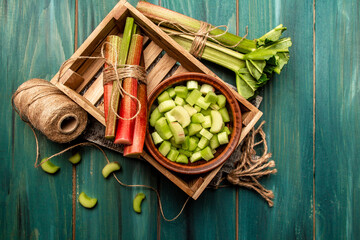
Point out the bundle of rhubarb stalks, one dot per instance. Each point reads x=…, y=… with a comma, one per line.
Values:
x=125, y=129
x=253, y=61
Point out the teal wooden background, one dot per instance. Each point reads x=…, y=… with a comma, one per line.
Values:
x=311, y=109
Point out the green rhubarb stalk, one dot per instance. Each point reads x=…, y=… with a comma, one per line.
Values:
x=115, y=94
x=128, y=106
x=252, y=70
x=158, y=14
x=110, y=56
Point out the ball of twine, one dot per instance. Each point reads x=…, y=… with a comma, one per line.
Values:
x=46, y=108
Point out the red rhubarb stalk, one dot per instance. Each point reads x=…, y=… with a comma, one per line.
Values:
x=128, y=105
x=115, y=93
x=110, y=55
x=138, y=140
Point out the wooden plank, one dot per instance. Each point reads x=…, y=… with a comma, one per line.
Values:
x=95, y=91
x=71, y=79
x=180, y=69
x=287, y=108
x=34, y=204
x=113, y=217
x=337, y=118
x=157, y=74
x=213, y=211
x=151, y=52
x=91, y=67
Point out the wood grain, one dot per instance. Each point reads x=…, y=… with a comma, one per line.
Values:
x=208, y=219
x=113, y=217
x=337, y=115
x=37, y=36
x=33, y=203
x=287, y=108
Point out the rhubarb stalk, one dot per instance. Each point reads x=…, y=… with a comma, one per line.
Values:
x=136, y=148
x=253, y=61
x=253, y=69
x=138, y=140
x=110, y=54
x=158, y=14
x=128, y=106
x=115, y=94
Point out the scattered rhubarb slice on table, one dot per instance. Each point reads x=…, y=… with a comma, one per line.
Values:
x=87, y=201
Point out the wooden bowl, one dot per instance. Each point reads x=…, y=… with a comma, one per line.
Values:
x=222, y=152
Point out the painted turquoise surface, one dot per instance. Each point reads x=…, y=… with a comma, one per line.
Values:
x=337, y=120
x=287, y=108
x=209, y=218
x=37, y=36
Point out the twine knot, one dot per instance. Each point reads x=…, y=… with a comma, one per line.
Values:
x=114, y=72
x=201, y=36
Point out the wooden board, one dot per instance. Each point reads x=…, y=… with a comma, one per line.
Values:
x=33, y=204
x=287, y=107
x=114, y=217
x=337, y=116
x=220, y=222
x=38, y=206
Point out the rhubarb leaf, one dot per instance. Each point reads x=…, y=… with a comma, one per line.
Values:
x=281, y=45
x=271, y=36
x=255, y=68
x=282, y=60
x=263, y=80
x=246, y=85
x=260, y=54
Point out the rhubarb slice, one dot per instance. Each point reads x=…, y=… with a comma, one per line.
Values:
x=178, y=132
x=181, y=115
x=110, y=168
x=216, y=122
x=49, y=167
x=75, y=159
x=87, y=201
x=138, y=201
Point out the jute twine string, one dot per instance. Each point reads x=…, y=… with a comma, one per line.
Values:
x=43, y=93
x=117, y=179
x=125, y=71
x=43, y=106
x=116, y=73
x=250, y=168
x=201, y=36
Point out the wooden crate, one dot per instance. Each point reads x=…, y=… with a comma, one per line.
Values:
x=82, y=80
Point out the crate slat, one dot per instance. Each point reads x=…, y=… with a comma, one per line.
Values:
x=95, y=91
x=180, y=69
x=157, y=74
x=151, y=52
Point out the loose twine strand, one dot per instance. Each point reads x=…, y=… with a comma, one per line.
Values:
x=116, y=73
x=112, y=74
x=36, y=165
x=249, y=168
x=201, y=36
